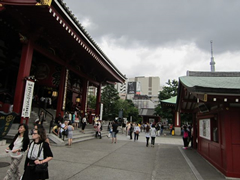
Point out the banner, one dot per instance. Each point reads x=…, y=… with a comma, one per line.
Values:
x=6, y=120
x=131, y=89
x=27, y=101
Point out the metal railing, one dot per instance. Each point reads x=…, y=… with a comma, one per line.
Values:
x=46, y=112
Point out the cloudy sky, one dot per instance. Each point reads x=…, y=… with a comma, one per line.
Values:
x=163, y=38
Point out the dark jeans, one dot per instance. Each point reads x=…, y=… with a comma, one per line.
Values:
x=185, y=142
x=135, y=136
x=98, y=134
x=130, y=134
x=152, y=140
x=147, y=139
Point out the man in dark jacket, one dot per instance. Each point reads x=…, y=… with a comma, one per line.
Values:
x=114, y=132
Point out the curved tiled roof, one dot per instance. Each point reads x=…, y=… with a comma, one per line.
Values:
x=211, y=82
x=171, y=100
x=75, y=20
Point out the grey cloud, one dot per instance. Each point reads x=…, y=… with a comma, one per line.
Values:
x=158, y=22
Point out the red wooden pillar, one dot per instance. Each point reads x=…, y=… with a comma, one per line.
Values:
x=84, y=97
x=98, y=100
x=194, y=125
x=61, y=92
x=23, y=72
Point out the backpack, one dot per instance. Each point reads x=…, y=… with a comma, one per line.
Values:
x=185, y=134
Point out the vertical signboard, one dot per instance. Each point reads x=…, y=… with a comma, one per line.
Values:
x=27, y=101
x=65, y=90
x=138, y=88
x=101, y=110
x=131, y=88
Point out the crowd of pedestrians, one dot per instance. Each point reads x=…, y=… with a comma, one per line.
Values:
x=39, y=151
x=133, y=131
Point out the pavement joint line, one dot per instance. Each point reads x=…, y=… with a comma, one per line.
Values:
x=194, y=170
x=95, y=162
x=156, y=161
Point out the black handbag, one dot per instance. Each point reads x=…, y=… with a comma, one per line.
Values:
x=41, y=167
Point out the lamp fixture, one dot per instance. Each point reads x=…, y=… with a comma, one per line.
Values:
x=78, y=99
x=54, y=94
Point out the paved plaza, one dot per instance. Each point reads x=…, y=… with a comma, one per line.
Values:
x=100, y=159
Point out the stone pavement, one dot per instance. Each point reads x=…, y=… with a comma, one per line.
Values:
x=100, y=159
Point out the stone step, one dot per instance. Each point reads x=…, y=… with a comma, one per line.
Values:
x=78, y=136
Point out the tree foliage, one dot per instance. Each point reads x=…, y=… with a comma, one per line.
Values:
x=170, y=90
x=129, y=110
x=110, y=99
x=92, y=101
x=112, y=104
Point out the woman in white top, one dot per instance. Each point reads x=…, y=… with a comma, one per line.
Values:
x=16, y=148
x=153, y=135
x=136, y=132
x=147, y=134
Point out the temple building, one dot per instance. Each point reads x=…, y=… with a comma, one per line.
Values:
x=213, y=99
x=48, y=59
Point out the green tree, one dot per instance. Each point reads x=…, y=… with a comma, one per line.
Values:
x=170, y=90
x=92, y=101
x=110, y=99
x=129, y=110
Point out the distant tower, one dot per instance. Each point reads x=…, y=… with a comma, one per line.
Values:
x=212, y=63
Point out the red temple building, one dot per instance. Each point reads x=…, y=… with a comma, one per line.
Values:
x=47, y=57
x=214, y=100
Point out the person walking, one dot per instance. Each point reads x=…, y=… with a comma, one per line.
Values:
x=39, y=153
x=153, y=135
x=15, y=149
x=76, y=119
x=114, y=131
x=42, y=117
x=162, y=127
x=109, y=129
x=131, y=130
x=185, y=137
x=70, y=130
x=98, y=129
x=58, y=119
x=84, y=123
x=147, y=134
x=136, y=132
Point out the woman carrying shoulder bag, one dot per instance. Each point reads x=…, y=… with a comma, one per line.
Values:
x=39, y=153
x=16, y=149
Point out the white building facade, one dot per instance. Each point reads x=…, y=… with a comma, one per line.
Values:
x=141, y=87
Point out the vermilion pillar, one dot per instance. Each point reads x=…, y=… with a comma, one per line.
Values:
x=84, y=97
x=23, y=72
x=194, y=125
x=98, y=100
x=61, y=92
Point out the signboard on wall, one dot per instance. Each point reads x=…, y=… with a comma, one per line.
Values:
x=205, y=128
x=131, y=88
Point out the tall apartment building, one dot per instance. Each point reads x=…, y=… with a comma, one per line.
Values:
x=144, y=86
